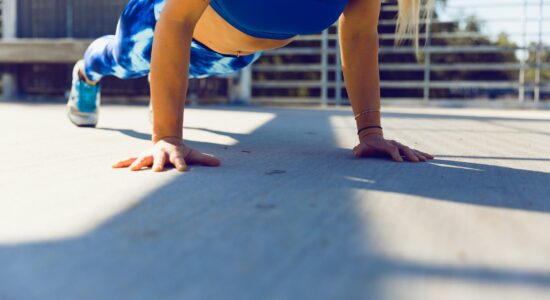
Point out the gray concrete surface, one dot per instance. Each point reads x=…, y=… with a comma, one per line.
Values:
x=289, y=215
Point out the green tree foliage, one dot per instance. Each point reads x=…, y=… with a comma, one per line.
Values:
x=455, y=34
x=466, y=32
x=532, y=63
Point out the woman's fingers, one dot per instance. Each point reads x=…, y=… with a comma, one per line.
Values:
x=159, y=160
x=180, y=164
x=393, y=150
x=421, y=156
x=140, y=163
x=396, y=150
x=124, y=163
x=196, y=157
x=426, y=155
x=176, y=158
x=359, y=150
x=408, y=153
x=363, y=150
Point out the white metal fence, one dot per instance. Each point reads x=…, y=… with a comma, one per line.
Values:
x=466, y=57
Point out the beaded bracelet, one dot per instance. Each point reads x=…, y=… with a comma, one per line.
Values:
x=366, y=111
x=368, y=127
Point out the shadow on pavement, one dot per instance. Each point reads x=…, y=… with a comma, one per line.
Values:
x=129, y=132
x=240, y=232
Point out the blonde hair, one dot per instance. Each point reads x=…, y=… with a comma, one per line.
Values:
x=409, y=16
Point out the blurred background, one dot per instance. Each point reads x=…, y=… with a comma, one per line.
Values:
x=476, y=53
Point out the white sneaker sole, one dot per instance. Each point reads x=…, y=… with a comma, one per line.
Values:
x=81, y=119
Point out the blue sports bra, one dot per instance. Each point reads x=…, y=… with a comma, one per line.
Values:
x=279, y=19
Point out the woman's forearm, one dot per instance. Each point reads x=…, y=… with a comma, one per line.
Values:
x=169, y=77
x=359, y=49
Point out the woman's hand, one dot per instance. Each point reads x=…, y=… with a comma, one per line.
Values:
x=376, y=144
x=172, y=150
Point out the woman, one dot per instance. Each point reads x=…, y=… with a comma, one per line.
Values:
x=199, y=38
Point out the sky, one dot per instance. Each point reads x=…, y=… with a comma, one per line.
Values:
x=502, y=16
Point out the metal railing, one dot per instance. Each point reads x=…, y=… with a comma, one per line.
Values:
x=73, y=23
x=455, y=64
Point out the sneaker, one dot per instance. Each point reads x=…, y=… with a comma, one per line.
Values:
x=84, y=100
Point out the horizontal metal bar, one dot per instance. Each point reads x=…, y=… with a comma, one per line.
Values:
x=459, y=49
x=440, y=49
x=398, y=84
x=489, y=5
x=393, y=67
x=402, y=67
x=298, y=51
x=289, y=84
x=493, y=20
x=451, y=84
x=511, y=102
x=474, y=84
x=434, y=35
x=288, y=68
x=289, y=100
x=421, y=22
x=393, y=8
x=452, y=67
x=519, y=20
x=476, y=4
x=401, y=84
x=457, y=35
x=400, y=50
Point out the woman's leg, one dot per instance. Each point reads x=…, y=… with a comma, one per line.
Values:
x=127, y=54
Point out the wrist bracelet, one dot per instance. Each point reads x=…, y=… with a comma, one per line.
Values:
x=368, y=127
x=366, y=111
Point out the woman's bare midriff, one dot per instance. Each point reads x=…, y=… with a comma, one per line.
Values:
x=214, y=32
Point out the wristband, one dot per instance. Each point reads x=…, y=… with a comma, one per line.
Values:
x=368, y=127
x=366, y=111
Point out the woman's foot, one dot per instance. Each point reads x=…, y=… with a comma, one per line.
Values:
x=84, y=99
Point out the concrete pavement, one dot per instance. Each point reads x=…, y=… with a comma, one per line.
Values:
x=289, y=215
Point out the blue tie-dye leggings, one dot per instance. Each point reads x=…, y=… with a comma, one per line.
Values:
x=127, y=54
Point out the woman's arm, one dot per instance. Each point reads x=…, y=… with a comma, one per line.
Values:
x=169, y=80
x=358, y=34
x=170, y=65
